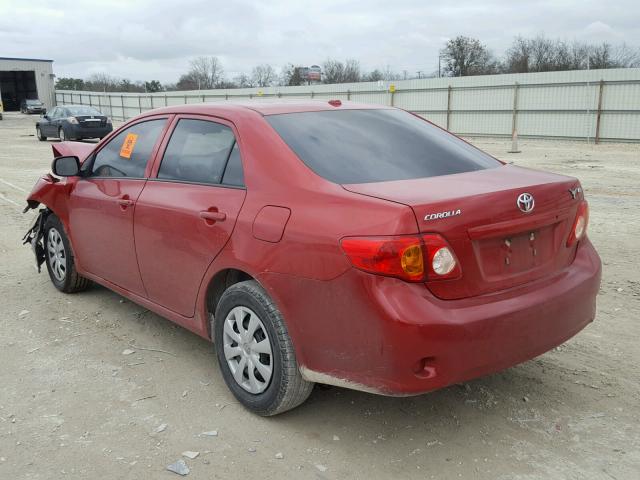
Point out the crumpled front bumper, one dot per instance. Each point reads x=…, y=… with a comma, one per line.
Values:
x=35, y=236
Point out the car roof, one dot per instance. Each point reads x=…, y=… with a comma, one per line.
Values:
x=265, y=107
x=67, y=105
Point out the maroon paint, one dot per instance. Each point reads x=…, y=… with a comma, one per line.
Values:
x=284, y=230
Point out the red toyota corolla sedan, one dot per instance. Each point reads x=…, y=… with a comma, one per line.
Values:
x=339, y=243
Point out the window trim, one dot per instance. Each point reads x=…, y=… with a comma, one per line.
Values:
x=167, y=138
x=154, y=152
x=187, y=182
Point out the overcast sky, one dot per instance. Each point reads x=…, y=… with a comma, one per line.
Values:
x=154, y=39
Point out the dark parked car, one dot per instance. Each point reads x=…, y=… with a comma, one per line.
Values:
x=32, y=106
x=73, y=122
x=331, y=242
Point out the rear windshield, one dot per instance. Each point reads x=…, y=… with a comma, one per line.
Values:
x=83, y=111
x=362, y=146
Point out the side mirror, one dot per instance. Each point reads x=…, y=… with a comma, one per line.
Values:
x=45, y=116
x=66, y=166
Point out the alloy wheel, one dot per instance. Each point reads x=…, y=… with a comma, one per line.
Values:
x=247, y=349
x=57, y=255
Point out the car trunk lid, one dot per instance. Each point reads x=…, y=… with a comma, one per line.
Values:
x=91, y=121
x=497, y=244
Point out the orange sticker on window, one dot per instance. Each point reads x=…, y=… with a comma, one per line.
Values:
x=128, y=145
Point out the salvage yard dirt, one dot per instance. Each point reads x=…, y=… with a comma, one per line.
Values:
x=94, y=386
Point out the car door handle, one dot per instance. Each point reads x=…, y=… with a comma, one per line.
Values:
x=212, y=216
x=125, y=202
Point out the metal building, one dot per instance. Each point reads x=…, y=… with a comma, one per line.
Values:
x=26, y=78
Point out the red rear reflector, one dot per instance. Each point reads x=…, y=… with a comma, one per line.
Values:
x=411, y=258
x=579, y=228
x=335, y=103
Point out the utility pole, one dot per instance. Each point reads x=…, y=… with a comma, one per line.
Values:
x=419, y=73
x=439, y=62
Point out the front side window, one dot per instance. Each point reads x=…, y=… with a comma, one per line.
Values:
x=127, y=154
x=197, y=152
x=376, y=145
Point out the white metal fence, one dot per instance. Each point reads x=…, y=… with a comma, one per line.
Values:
x=595, y=105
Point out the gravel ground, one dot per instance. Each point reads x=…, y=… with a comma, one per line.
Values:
x=72, y=405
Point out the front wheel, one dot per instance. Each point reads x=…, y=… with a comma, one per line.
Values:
x=39, y=134
x=255, y=353
x=60, y=262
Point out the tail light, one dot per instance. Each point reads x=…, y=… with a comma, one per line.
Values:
x=411, y=258
x=579, y=228
x=441, y=260
x=72, y=120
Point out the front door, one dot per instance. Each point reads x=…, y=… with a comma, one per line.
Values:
x=186, y=215
x=46, y=123
x=103, y=203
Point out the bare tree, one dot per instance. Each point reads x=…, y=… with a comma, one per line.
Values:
x=263, y=75
x=207, y=72
x=244, y=81
x=337, y=72
x=541, y=54
x=102, y=82
x=518, y=56
x=467, y=56
x=352, y=71
x=607, y=56
x=389, y=75
x=333, y=71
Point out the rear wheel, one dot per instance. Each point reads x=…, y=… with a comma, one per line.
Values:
x=255, y=352
x=39, y=134
x=61, y=135
x=60, y=262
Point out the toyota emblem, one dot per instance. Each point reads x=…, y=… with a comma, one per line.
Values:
x=526, y=202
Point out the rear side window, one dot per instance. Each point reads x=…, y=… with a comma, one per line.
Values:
x=233, y=173
x=197, y=152
x=127, y=154
x=362, y=146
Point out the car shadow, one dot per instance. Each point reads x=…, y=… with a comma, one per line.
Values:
x=489, y=410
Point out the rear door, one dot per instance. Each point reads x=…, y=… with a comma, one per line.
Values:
x=188, y=209
x=102, y=204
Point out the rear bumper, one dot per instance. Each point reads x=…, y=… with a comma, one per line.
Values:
x=384, y=335
x=75, y=131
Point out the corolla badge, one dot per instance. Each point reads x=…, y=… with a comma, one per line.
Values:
x=526, y=202
x=439, y=215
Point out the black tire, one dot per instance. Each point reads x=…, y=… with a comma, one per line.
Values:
x=287, y=389
x=41, y=137
x=62, y=135
x=71, y=281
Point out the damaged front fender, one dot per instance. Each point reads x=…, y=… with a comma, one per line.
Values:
x=47, y=191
